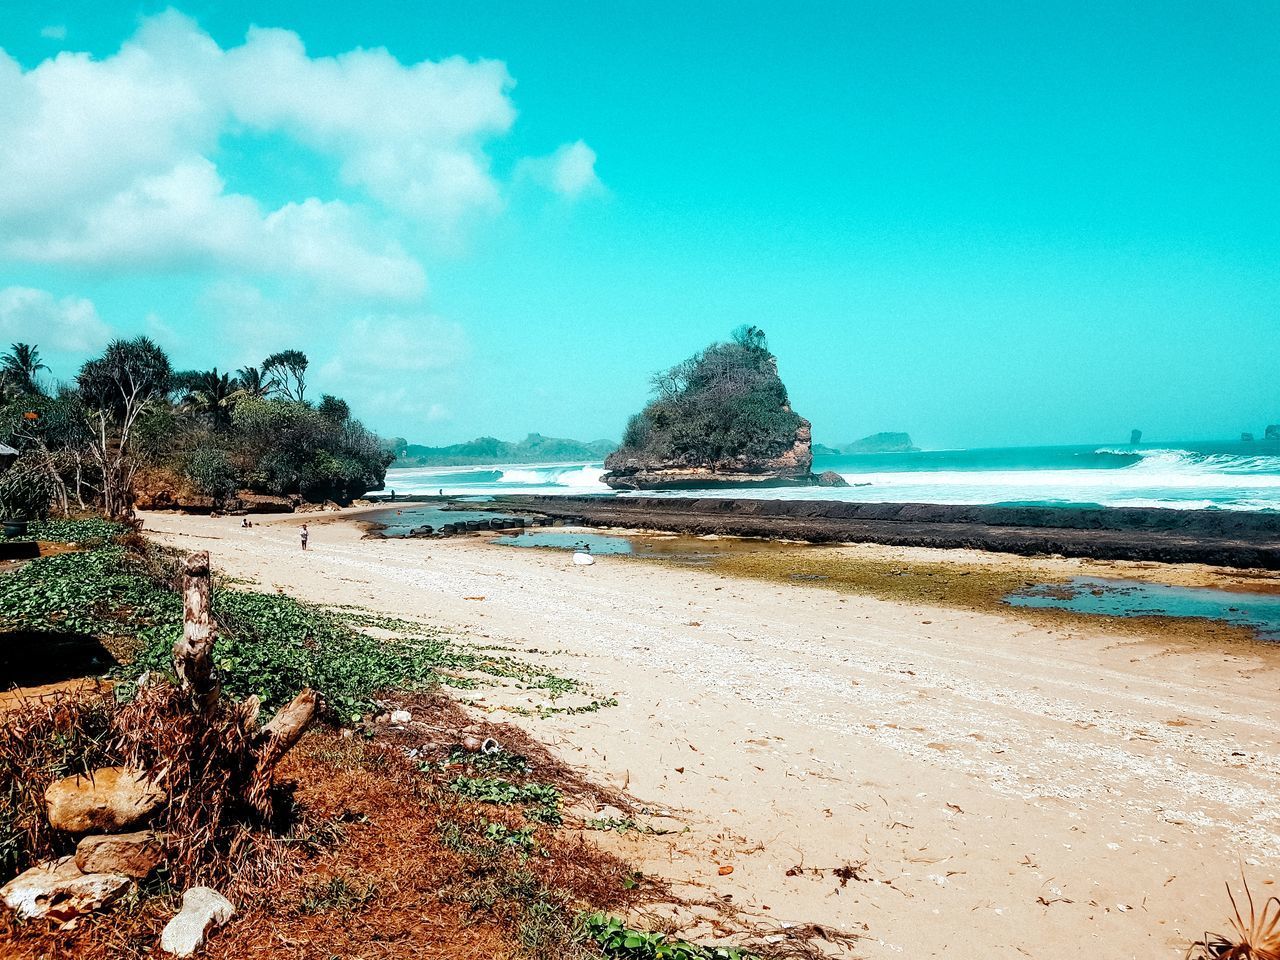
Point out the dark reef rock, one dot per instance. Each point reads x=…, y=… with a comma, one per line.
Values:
x=1219, y=537
x=829, y=478
x=1273, y=432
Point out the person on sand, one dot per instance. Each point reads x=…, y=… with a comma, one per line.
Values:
x=305, y=535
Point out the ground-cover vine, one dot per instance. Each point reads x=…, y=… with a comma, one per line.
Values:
x=617, y=941
x=270, y=645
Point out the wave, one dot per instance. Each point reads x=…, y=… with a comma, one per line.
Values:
x=578, y=477
x=1187, y=461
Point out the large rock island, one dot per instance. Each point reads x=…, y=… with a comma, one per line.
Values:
x=720, y=418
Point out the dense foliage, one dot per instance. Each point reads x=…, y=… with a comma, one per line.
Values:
x=130, y=424
x=724, y=403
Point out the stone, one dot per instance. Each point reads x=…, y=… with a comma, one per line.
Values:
x=829, y=478
x=58, y=890
x=128, y=854
x=109, y=800
x=203, y=911
x=401, y=716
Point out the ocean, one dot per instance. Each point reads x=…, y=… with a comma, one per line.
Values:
x=1185, y=476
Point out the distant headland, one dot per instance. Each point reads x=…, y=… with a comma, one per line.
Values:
x=485, y=451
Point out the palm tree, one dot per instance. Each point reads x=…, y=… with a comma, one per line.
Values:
x=251, y=383
x=211, y=394
x=18, y=369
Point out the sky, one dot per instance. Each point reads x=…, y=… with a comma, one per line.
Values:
x=986, y=224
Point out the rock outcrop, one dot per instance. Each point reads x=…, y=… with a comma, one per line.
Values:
x=829, y=478
x=883, y=443
x=110, y=800
x=788, y=469
x=203, y=911
x=59, y=890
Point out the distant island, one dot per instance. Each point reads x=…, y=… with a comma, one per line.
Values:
x=882, y=443
x=485, y=451
x=719, y=418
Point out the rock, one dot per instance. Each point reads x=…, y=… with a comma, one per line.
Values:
x=829, y=478
x=59, y=891
x=1273, y=432
x=128, y=854
x=401, y=716
x=1135, y=437
x=203, y=911
x=112, y=799
x=1246, y=437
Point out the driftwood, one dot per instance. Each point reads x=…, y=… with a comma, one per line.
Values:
x=193, y=653
x=193, y=664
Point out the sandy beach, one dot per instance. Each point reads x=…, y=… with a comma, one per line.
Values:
x=939, y=782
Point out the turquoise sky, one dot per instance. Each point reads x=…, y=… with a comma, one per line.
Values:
x=985, y=224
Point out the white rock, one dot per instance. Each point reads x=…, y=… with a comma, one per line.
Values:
x=203, y=911
x=401, y=716
x=58, y=890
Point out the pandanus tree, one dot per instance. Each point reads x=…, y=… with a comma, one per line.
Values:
x=18, y=370
x=287, y=372
x=117, y=388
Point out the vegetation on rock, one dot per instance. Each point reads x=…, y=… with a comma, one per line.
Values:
x=724, y=403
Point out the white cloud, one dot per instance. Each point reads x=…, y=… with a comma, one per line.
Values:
x=54, y=31
x=397, y=366
x=111, y=162
x=67, y=325
x=570, y=171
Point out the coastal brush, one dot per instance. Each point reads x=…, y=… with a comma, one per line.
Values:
x=1257, y=939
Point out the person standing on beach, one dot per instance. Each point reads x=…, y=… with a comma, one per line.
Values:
x=305, y=535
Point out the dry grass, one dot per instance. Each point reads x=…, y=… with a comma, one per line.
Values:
x=203, y=764
x=1257, y=938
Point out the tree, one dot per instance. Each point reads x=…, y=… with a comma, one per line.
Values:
x=117, y=387
x=212, y=395
x=18, y=369
x=287, y=372
x=334, y=408
x=251, y=383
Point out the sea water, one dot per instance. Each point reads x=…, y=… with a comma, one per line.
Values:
x=1223, y=476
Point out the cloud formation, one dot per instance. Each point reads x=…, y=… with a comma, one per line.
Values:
x=570, y=171
x=113, y=162
x=66, y=325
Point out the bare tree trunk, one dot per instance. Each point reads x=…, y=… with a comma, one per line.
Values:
x=193, y=653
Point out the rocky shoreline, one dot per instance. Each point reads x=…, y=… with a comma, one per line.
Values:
x=1219, y=538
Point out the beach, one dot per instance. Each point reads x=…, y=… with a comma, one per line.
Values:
x=934, y=780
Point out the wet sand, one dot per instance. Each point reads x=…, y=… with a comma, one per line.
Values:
x=944, y=781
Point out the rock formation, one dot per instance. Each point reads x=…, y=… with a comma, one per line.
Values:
x=203, y=911
x=112, y=799
x=829, y=478
x=720, y=418
x=883, y=443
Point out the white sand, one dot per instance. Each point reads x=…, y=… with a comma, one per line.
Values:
x=1011, y=790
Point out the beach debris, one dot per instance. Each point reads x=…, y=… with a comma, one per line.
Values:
x=401, y=716
x=106, y=801
x=725, y=870
x=133, y=855
x=59, y=890
x=203, y=911
x=1257, y=938
x=490, y=747
x=472, y=743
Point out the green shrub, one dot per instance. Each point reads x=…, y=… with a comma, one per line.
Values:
x=25, y=493
x=211, y=472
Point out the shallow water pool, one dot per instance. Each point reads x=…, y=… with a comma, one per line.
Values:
x=1134, y=598
x=599, y=543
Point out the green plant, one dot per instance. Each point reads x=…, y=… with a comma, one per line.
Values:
x=336, y=895
x=617, y=940
x=504, y=836
x=25, y=493
x=211, y=472
x=541, y=800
